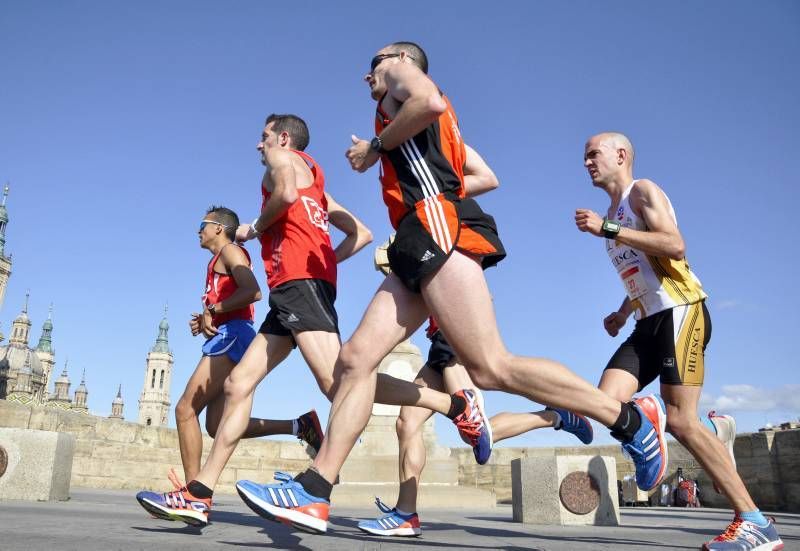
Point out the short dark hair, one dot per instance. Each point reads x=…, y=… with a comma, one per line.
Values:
x=415, y=51
x=226, y=217
x=292, y=125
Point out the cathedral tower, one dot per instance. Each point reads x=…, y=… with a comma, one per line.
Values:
x=117, y=405
x=154, y=401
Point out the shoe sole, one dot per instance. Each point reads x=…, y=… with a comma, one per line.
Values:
x=662, y=444
x=189, y=517
x=731, y=437
x=299, y=520
x=405, y=532
x=769, y=546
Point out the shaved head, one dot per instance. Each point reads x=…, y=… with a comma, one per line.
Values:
x=414, y=51
x=615, y=141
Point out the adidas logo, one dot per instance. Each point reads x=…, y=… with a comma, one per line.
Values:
x=427, y=256
x=292, y=318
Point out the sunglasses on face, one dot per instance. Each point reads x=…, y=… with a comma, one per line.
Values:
x=204, y=223
x=380, y=57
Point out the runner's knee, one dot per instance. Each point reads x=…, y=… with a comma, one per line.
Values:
x=351, y=360
x=680, y=425
x=406, y=427
x=184, y=410
x=491, y=374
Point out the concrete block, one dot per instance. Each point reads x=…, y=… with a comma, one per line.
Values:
x=38, y=464
x=538, y=484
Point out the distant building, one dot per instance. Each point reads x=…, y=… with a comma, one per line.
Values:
x=154, y=401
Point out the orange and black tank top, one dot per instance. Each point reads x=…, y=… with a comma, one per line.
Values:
x=428, y=165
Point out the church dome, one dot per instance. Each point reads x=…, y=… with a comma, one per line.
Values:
x=12, y=360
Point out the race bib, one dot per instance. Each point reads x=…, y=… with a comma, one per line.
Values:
x=635, y=285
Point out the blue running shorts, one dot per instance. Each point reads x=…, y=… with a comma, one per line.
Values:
x=232, y=340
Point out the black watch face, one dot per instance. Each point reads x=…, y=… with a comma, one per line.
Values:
x=375, y=144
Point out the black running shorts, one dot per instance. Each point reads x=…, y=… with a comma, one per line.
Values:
x=670, y=344
x=424, y=241
x=301, y=305
x=440, y=354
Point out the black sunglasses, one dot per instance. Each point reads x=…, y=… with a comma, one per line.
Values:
x=380, y=57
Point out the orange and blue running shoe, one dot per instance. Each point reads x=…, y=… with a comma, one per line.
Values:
x=310, y=431
x=473, y=425
x=286, y=502
x=648, y=447
x=391, y=523
x=743, y=535
x=179, y=504
x=575, y=424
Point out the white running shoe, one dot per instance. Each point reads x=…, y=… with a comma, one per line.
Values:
x=726, y=431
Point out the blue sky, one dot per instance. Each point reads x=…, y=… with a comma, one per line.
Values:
x=122, y=122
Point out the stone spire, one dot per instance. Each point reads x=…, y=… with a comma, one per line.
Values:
x=62, y=385
x=20, y=329
x=81, y=394
x=5, y=261
x=46, y=353
x=162, y=342
x=46, y=340
x=117, y=405
x=22, y=391
x=3, y=222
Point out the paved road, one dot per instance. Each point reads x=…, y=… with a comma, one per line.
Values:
x=108, y=520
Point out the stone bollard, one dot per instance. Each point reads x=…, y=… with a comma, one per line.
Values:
x=35, y=465
x=565, y=490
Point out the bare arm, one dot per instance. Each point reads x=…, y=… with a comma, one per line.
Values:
x=284, y=194
x=616, y=320
x=662, y=237
x=357, y=235
x=478, y=177
x=247, y=291
x=421, y=103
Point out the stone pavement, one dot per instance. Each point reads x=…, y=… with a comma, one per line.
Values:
x=112, y=519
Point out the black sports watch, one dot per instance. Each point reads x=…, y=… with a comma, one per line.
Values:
x=212, y=309
x=376, y=145
x=611, y=229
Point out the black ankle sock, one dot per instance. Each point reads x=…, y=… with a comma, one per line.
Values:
x=198, y=489
x=315, y=484
x=627, y=423
x=457, y=406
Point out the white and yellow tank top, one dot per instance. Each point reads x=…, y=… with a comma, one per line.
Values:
x=652, y=283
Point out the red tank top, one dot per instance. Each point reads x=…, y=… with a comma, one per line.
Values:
x=297, y=245
x=432, y=329
x=221, y=286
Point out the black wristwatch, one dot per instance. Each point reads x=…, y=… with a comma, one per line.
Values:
x=611, y=229
x=376, y=145
x=212, y=309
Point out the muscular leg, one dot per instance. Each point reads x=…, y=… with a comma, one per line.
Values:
x=412, y=447
x=686, y=427
x=504, y=425
x=320, y=350
x=470, y=327
x=619, y=384
x=392, y=315
x=203, y=386
x=256, y=427
x=263, y=354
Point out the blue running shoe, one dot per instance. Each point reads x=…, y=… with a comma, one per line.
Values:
x=742, y=535
x=575, y=424
x=648, y=448
x=391, y=523
x=473, y=425
x=286, y=502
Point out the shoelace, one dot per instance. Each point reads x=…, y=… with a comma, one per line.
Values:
x=175, y=480
x=731, y=531
x=382, y=507
x=175, y=499
x=281, y=476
